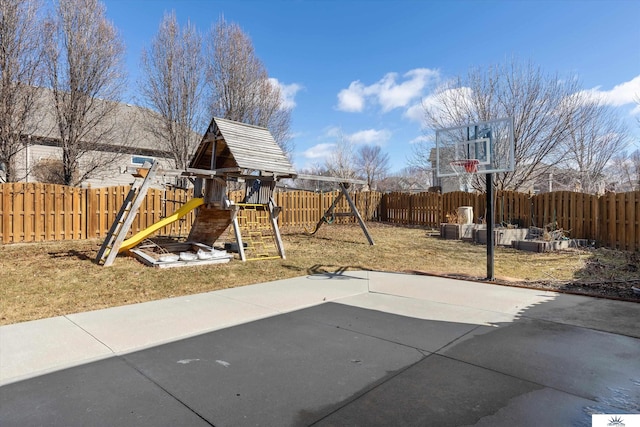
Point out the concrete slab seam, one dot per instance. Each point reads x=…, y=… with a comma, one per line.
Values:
x=419, y=350
x=550, y=387
x=165, y=390
x=457, y=339
x=90, y=334
x=371, y=388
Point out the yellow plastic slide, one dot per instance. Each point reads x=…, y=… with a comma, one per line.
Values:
x=138, y=237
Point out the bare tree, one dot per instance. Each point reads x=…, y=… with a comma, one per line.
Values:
x=623, y=172
x=20, y=51
x=634, y=181
x=239, y=84
x=310, y=184
x=596, y=136
x=409, y=179
x=172, y=85
x=341, y=162
x=372, y=163
x=541, y=105
x=84, y=58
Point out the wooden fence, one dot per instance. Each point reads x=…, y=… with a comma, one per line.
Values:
x=612, y=220
x=35, y=212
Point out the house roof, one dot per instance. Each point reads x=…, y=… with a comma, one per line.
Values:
x=238, y=145
x=126, y=126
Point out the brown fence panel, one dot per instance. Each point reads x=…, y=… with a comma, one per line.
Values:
x=588, y=217
x=368, y=204
x=609, y=224
x=452, y=201
x=304, y=209
x=397, y=207
x=172, y=201
x=632, y=225
x=511, y=207
x=60, y=212
x=11, y=224
x=578, y=214
x=620, y=221
x=103, y=206
x=300, y=208
x=426, y=209
x=341, y=207
x=34, y=212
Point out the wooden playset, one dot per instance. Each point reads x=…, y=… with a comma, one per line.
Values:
x=229, y=152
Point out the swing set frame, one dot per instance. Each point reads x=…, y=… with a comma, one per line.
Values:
x=343, y=186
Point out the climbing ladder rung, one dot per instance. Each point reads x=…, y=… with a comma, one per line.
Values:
x=255, y=226
x=127, y=213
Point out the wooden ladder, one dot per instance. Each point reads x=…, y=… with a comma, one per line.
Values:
x=128, y=211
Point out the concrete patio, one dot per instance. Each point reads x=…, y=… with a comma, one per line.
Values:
x=350, y=348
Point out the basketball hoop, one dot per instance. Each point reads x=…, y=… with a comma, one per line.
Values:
x=465, y=169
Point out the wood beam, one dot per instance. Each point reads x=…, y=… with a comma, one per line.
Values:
x=331, y=179
x=354, y=209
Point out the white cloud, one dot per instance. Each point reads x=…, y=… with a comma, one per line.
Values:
x=287, y=92
x=324, y=150
x=622, y=94
x=392, y=95
x=333, y=132
x=416, y=112
x=352, y=99
x=421, y=138
x=389, y=92
x=369, y=136
x=319, y=151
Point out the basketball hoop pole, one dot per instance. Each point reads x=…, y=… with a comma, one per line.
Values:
x=490, y=236
x=485, y=147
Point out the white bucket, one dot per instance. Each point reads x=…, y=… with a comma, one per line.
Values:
x=465, y=215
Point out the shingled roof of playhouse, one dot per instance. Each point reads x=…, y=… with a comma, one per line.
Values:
x=241, y=148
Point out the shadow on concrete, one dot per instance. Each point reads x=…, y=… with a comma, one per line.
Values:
x=550, y=362
x=527, y=372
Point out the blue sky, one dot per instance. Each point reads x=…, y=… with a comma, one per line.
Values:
x=361, y=68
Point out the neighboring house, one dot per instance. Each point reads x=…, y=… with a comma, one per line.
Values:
x=416, y=182
x=130, y=142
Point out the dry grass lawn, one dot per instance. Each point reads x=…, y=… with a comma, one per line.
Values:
x=52, y=279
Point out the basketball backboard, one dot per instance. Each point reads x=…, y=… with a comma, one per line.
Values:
x=490, y=143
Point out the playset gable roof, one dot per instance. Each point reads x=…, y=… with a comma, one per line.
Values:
x=231, y=145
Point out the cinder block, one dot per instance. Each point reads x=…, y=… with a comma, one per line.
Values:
x=540, y=245
x=501, y=236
